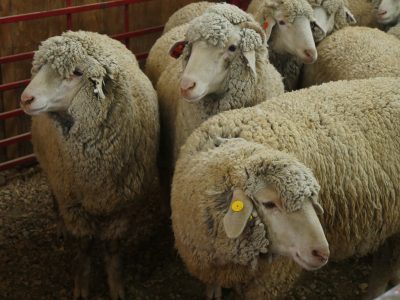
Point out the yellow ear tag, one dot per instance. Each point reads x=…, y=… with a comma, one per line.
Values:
x=237, y=205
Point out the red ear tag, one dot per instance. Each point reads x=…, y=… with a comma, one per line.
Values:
x=265, y=25
x=177, y=49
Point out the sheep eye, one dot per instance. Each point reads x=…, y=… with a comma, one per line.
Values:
x=281, y=22
x=232, y=48
x=78, y=72
x=269, y=205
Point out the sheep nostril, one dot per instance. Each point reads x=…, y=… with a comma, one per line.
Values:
x=27, y=100
x=382, y=12
x=187, y=84
x=320, y=254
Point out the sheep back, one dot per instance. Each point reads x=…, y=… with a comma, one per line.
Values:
x=354, y=53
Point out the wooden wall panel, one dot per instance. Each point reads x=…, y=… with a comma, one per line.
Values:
x=26, y=36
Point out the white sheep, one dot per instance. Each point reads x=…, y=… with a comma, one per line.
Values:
x=224, y=66
x=331, y=15
x=258, y=164
x=186, y=14
x=354, y=53
x=95, y=133
x=289, y=26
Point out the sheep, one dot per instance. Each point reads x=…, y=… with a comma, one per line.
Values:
x=95, y=133
x=290, y=26
x=354, y=53
x=341, y=138
x=224, y=65
x=331, y=15
x=186, y=14
x=363, y=11
x=388, y=15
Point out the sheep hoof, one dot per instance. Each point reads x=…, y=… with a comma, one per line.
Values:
x=117, y=293
x=214, y=292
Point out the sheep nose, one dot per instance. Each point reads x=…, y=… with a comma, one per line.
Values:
x=382, y=12
x=187, y=84
x=27, y=99
x=311, y=55
x=321, y=254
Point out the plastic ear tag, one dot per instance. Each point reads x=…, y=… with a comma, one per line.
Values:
x=237, y=205
x=177, y=49
x=265, y=25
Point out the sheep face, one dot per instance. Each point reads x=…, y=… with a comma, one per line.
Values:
x=326, y=22
x=207, y=68
x=295, y=37
x=208, y=64
x=388, y=12
x=49, y=92
x=297, y=234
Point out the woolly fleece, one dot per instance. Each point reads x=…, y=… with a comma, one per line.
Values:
x=354, y=53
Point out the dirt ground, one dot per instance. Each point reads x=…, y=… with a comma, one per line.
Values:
x=32, y=266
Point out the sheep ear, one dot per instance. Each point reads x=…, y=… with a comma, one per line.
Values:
x=236, y=218
x=250, y=56
x=318, y=208
x=349, y=16
x=268, y=24
x=98, y=87
x=318, y=32
x=177, y=49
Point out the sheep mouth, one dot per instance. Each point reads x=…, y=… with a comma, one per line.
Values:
x=35, y=111
x=194, y=99
x=306, y=265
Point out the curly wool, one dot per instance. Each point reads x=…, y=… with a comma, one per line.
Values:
x=290, y=9
x=217, y=24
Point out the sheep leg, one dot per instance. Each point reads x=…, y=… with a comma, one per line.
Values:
x=113, y=268
x=61, y=231
x=213, y=292
x=385, y=268
x=81, y=287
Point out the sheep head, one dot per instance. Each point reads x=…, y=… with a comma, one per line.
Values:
x=62, y=66
x=224, y=36
x=331, y=15
x=289, y=25
x=283, y=194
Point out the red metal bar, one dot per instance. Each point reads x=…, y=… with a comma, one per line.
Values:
x=14, y=85
x=16, y=57
x=12, y=113
x=66, y=10
x=15, y=139
x=18, y=161
x=69, y=16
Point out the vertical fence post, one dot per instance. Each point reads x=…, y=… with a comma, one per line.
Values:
x=126, y=23
x=69, y=16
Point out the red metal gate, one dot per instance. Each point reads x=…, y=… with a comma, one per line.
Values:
x=67, y=11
